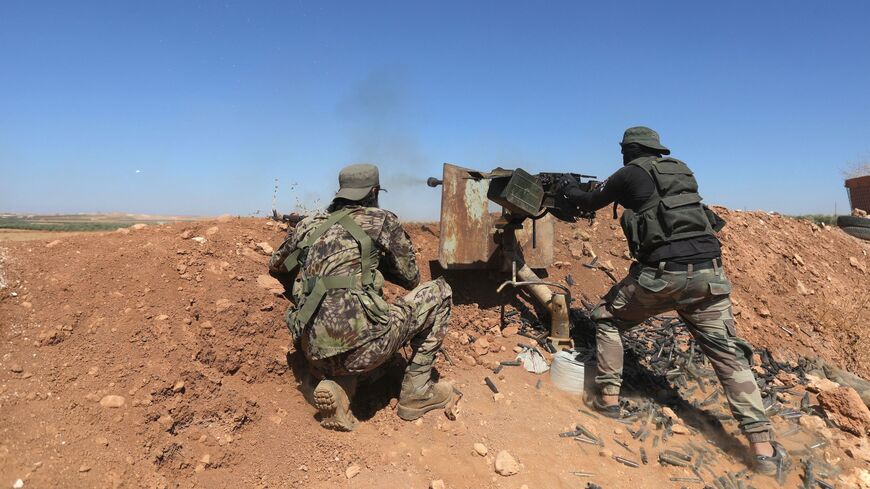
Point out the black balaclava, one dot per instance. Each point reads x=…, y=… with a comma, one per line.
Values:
x=632, y=151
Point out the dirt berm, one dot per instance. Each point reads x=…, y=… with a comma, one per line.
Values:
x=157, y=357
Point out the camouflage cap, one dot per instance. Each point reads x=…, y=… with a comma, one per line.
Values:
x=644, y=136
x=356, y=181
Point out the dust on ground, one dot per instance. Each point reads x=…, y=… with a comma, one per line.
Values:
x=148, y=358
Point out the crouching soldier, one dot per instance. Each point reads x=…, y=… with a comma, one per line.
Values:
x=337, y=263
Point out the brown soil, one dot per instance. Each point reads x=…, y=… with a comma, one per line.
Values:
x=195, y=345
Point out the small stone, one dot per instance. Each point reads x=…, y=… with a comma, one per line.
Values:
x=679, y=429
x=178, y=387
x=763, y=311
x=788, y=379
x=162, y=317
x=510, y=331
x=797, y=260
x=101, y=440
x=186, y=234
x=211, y=231
x=498, y=396
x=53, y=243
x=469, y=360
x=352, y=471
x=505, y=464
x=166, y=422
x=480, y=449
x=265, y=248
x=198, y=239
x=481, y=346
x=437, y=484
x=84, y=468
x=15, y=368
x=137, y=227
x=669, y=412
x=820, y=384
x=112, y=401
x=18, y=484
x=604, y=452
x=269, y=282
x=802, y=289
x=205, y=459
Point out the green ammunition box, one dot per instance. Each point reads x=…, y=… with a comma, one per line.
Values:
x=520, y=193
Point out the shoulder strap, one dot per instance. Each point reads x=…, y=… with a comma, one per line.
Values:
x=292, y=260
x=365, y=247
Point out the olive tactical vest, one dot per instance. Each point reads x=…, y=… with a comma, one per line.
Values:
x=674, y=212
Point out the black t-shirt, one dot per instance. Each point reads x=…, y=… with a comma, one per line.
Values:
x=631, y=187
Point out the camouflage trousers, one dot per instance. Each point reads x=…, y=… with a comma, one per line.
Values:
x=702, y=299
x=418, y=319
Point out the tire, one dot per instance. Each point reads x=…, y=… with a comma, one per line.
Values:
x=862, y=233
x=853, y=222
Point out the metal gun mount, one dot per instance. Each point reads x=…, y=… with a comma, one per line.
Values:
x=518, y=241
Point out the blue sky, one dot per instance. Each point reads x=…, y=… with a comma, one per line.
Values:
x=211, y=101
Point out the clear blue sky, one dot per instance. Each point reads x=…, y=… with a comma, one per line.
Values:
x=211, y=101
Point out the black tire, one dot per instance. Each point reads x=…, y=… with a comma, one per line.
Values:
x=862, y=233
x=853, y=222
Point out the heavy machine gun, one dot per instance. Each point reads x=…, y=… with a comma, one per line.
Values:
x=518, y=241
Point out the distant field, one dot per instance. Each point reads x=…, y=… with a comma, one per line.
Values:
x=29, y=226
x=29, y=234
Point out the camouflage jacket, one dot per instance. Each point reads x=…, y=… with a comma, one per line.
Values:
x=347, y=318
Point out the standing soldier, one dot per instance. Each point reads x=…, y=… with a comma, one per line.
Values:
x=337, y=263
x=678, y=266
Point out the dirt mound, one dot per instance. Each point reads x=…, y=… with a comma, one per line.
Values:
x=180, y=323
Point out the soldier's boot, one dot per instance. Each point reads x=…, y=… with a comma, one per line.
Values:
x=420, y=394
x=332, y=400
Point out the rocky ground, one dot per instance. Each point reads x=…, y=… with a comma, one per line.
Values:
x=156, y=356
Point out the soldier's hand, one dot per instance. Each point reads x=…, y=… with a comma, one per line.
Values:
x=565, y=183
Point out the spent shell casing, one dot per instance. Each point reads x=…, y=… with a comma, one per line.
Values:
x=627, y=462
x=668, y=459
x=491, y=385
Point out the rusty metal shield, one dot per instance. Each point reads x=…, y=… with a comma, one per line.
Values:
x=466, y=224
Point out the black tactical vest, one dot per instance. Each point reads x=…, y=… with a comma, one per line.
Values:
x=674, y=212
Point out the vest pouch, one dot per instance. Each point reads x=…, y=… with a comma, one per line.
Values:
x=682, y=216
x=377, y=310
x=629, y=228
x=673, y=177
x=293, y=324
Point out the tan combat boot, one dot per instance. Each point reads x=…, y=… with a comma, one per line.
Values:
x=420, y=395
x=332, y=400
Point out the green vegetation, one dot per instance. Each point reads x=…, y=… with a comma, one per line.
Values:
x=59, y=223
x=827, y=219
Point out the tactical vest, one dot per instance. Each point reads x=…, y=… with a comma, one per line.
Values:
x=674, y=212
x=315, y=288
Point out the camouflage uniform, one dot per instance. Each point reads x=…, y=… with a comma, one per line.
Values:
x=701, y=298
x=354, y=330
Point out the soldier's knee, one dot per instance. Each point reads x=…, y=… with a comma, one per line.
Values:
x=445, y=291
